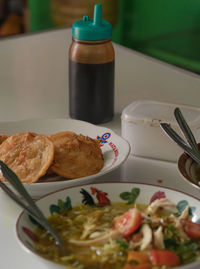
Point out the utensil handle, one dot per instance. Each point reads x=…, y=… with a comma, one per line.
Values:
x=16, y=199
x=32, y=207
x=185, y=129
x=180, y=142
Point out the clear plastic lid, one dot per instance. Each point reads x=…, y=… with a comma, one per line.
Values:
x=147, y=111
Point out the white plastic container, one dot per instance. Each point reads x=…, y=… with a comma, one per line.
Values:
x=141, y=128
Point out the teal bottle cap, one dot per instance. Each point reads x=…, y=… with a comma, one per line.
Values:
x=92, y=29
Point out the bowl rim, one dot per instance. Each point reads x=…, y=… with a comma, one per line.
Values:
x=114, y=182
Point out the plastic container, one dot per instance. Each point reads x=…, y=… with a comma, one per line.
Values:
x=91, y=70
x=140, y=127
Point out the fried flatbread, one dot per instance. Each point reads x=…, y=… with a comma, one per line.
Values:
x=3, y=137
x=76, y=155
x=28, y=154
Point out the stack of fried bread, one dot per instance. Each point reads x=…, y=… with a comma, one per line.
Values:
x=66, y=154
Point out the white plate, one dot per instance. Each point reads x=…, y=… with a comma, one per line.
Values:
x=112, y=191
x=115, y=149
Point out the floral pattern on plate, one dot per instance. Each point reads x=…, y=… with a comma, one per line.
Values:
x=97, y=197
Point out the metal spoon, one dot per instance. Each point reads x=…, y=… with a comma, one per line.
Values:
x=195, y=155
x=28, y=203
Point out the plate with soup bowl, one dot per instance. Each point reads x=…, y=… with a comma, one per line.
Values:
x=115, y=149
x=106, y=201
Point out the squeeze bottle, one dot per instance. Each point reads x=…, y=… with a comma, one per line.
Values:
x=91, y=69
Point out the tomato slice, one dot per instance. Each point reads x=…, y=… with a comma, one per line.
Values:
x=192, y=229
x=129, y=222
x=164, y=257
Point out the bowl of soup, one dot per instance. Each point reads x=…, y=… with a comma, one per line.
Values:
x=126, y=225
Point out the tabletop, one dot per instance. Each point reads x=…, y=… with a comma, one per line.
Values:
x=34, y=84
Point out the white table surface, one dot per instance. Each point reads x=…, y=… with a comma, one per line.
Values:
x=34, y=84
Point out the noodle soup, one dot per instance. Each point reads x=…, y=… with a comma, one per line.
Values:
x=102, y=233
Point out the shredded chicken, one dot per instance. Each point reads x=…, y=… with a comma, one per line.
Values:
x=176, y=221
x=178, y=224
x=159, y=238
x=147, y=236
x=185, y=213
x=88, y=227
x=95, y=234
x=160, y=203
x=104, y=238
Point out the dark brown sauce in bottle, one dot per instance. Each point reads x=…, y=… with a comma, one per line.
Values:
x=91, y=91
x=91, y=69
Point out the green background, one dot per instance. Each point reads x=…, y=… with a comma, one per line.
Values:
x=168, y=30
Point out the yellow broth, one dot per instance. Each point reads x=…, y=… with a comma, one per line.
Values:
x=70, y=224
